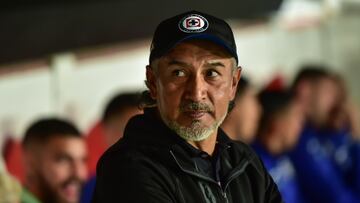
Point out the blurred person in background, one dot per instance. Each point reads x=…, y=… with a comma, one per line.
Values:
x=117, y=113
x=345, y=114
x=55, y=156
x=115, y=117
x=242, y=120
x=317, y=91
x=342, y=137
x=279, y=129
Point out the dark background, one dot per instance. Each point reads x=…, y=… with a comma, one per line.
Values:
x=32, y=29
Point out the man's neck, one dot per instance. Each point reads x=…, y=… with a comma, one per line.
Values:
x=207, y=145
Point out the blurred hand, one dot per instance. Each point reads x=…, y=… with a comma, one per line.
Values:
x=353, y=114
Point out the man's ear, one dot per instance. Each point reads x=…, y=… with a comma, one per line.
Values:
x=151, y=81
x=235, y=80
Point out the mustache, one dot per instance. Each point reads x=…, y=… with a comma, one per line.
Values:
x=73, y=180
x=195, y=106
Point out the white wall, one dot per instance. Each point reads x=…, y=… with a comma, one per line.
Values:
x=24, y=96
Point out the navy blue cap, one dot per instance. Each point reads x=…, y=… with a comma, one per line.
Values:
x=191, y=25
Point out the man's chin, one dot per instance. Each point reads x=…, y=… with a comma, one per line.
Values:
x=70, y=194
x=193, y=132
x=194, y=129
x=68, y=199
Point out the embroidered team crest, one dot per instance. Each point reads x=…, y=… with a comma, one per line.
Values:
x=193, y=23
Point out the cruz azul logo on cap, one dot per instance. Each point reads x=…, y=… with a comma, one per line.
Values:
x=193, y=23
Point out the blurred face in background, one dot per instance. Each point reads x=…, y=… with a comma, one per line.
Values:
x=323, y=100
x=245, y=116
x=114, y=128
x=61, y=169
x=339, y=116
x=290, y=125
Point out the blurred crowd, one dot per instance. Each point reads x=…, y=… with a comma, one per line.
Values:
x=307, y=135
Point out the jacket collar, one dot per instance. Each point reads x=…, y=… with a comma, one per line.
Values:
x=149, y=132
x=149, y=128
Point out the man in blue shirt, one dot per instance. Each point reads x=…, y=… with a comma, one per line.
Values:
x=279, y=129
x=321, y=157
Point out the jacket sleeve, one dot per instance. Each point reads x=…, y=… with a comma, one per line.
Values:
x=272, y=193
x=126, y=180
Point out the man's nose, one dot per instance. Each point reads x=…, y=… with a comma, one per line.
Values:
x=196, y=88
x=80, y=171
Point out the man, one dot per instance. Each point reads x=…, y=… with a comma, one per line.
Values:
x=279, y=130
x=55, y=162
x=320, y=149
x=315, y=90
x=343, y=135
x=175, y=151
x=111, y=127
x=242, y=121
x=115, y=117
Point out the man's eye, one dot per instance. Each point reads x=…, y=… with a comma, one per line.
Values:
x=212, y=73
x=179, y=73
x=61, y=159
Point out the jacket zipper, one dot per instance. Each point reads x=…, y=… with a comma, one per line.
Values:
x=238, y=170
x=232, y=176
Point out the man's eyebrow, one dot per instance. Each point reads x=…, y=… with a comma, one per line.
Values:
x=176, y=62
x=215, y=64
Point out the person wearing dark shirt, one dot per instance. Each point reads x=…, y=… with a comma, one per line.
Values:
x=116, y=114
x=175, y=151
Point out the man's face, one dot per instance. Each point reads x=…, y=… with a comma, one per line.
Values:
x=193, y=85
x=247, y=112
x=292, y=123
x=62, y=169
x=324, y=95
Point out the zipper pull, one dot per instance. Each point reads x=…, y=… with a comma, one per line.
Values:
x=224, y=195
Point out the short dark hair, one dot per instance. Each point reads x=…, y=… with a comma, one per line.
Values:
x=42, y=130
x=272, y=102
x=119, y=103
x=242, y=86
x=311, y=73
